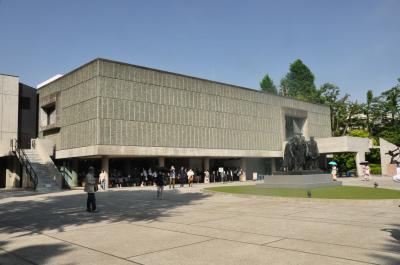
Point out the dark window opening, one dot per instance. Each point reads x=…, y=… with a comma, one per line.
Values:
x=25, y=103
x=49, y=111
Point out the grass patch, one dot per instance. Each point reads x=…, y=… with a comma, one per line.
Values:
x=340, y=192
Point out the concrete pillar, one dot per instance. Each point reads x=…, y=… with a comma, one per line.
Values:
x=273, y=165
x=360, y=157
x=161, y=161
x=105, y=165
x=206, y=163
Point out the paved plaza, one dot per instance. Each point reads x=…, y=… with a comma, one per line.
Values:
x=190, y=226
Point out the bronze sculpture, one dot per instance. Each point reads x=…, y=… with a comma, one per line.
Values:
x=300, y=154
x=393, y=154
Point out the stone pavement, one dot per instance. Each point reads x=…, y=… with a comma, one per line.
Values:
x=193, y=227
x=383, y=182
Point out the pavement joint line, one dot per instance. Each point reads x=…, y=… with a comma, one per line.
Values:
x=198, y=234
x=302, y=239
x=79, y=245
x=323, y=255
x=211, y=220
x=166, y=249
x=310, y=219
x=19, y=257
x=84, y=228
x=289, y=214
x=265, y=244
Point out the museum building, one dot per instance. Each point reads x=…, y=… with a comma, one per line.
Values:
x=110, y=114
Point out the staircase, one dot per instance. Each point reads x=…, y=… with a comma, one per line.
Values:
x=47, y=173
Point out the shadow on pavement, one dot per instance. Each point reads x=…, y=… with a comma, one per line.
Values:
x=58, y=213
x=393, y=245
x=21, y=255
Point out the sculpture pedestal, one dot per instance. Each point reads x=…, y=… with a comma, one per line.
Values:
x=303, y=172
x=298, y=181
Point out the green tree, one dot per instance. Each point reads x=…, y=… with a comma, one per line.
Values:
x=391, y=133
x=267, y=85
x=370, y=97
x=392, y=97
x=299, y=83
x=353, y=108
x=329, y=95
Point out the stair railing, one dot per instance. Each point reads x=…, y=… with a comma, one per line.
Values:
x=67, y=176
x=24, y=161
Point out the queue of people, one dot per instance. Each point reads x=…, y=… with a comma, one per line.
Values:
x=156, y=177
x=171, y=177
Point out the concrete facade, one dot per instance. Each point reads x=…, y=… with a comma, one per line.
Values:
x=10, y=176
x=346, y=144
x=116, y=109
x=9, y=92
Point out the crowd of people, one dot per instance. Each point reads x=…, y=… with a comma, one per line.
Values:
x=159, y=177
x=171, y=176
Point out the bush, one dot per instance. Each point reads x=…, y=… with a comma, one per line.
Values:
x=375, y=169
x=346, y=161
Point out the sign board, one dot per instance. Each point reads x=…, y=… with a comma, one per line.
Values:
x=254, y=175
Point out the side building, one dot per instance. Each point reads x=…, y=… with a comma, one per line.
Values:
x=18, y=108
x=115, y=115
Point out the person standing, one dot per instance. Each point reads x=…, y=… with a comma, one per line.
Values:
x=206, y=176
x=334, y=173
x=213, y=176
x=150, y=177
x=367, y=171
x=102, y=180
x=144, y=178
x=90, y=188
x=190, y=175
x=221, y=174
x=159, y=181
x=230, y=175
x=182, y=176
x=172, y=176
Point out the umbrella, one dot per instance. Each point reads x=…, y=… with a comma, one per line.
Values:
x=332, y=163
x=364, y=163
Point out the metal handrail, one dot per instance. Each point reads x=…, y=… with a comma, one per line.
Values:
x=26, y=164
x=67, y=175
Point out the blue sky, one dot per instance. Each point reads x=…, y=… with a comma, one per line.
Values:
x=354, y=44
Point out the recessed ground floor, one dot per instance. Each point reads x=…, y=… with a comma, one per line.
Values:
x=132, y=167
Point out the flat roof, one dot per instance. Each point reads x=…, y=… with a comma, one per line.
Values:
x=178, y=74
x=9, y=75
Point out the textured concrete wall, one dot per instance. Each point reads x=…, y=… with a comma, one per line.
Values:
x=143, y=107
x=108, y=103
x=75, y=96
x=9, y=90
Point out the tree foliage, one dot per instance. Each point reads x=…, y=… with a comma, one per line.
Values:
x=267, y=85
x=299, y=82
x=378, y=117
